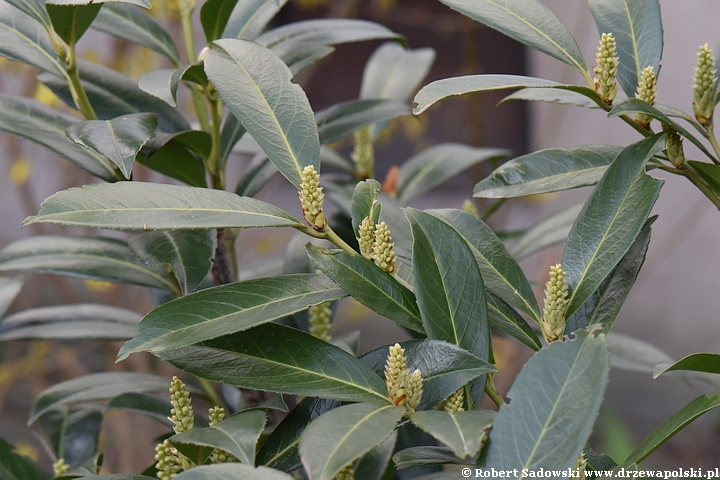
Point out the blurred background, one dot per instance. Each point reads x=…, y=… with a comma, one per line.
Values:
x=674, y=305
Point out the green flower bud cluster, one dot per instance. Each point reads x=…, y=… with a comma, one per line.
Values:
x=319, y=317
x=646, y=91
x=216, y=415
x=556, y=302
x=580, y=465
x=363, y=154
x=346, y=473
x=311, y=198
x=674, y=148
x=167, y=462
x=383, y=253
x=454, y=402
x=182, y=412
x=60, y=467
x=367, y=238
x=705, y=78
x=404, y=388
x=469, y=207
x=606, y=68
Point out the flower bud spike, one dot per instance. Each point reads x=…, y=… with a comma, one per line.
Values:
x=646, y=91
x=182, y=412
x=704, y=85
x=396, y=375
x=167, y=462
x=454, y=402
x=367, y=238
x=383, y=253
x=311, y=198
x=363, y=154
x=579, y=467
x=606, y=68
x=346, y=473
x=556, y=302
x=414, y=391
x=319, y=318
x=215, y=415
x=674, y=149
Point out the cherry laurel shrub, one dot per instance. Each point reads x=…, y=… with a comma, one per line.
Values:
x=441, y=274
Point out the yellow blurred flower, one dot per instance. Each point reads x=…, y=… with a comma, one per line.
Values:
x=19, y=171
x=98, y=286
x=26, y=450
x=46, y=96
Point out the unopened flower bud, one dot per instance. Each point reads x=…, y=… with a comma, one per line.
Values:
x=367, y=238
x=215, y=415
x=363, y=154
x=167, y=462
x=674, y=148
x=705, y=78
x=606, y=68
x=414, y=391
x=60, y=467
x=396, y=375
x=311, y=198
x=469, y=207
x=182, y=412
x=646, y=91
x=346, y=473
x=319, y=318
x=383, y=253
x=556, y=292
x=454, y=402
x=579, y=466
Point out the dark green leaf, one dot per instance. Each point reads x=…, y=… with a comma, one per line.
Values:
x=638, y=31
x=179, y=155
x=97, y=258
x=131, y=23
x=416, y=456
x=164, y=84
x=374, y=464
x=344, y=434
x=461, y=431
x=118, y=140
x=256, y=175
x=71, y=322
x=710, y=173
x=369, y=285
x=445, y=367
x=231, y=132
x=9, y=289
x=610, y=220
x=697, y=362
x=364, y=203
x=151, y=206
x=528, y=22
x=14, y=466
x=235, y=307
x=502, y=316
x=550, y=417
x=671, y=426
x=344, y=118
x=547, y=232
x=500, y=272
x=94, y=387
x=598, y=462
x=24, y=40
x=232, y=470
x=280, y=450
x=547, y=171
x=45, y=126
x=69, y=21
x=437, y=164
x=237, y=435
x=148, y=405
x=189, y=252
x=281, y=359
x=256, y=87
x=114, y=95
x=605, y=303
x=73, y=434
x=214, y=16
x=250, y=17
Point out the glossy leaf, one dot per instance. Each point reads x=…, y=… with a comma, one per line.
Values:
x=528, y=22
x=281, y=359
x=344, y=118
x=280, y=450
x=9, y=289
x=549, y=231
x=547, y=171
x=179, y=156
x=71, y=322
x=232, y=470
x=131, y=23
x=437, y=164
x=344, y=434
x=671, y=426
x=96, y=258
x=500, y=272
x=114, y=95
x=417, y=456
x=638, y=31
x=461, y=431
x=369, y=285
x=46, y=126
x=227, y=309
x=285, y=41
x=118, y=140
x=69, y=21
x=237, y=435
x=164, y=84
x=697, y=362
x=503, y=317
x=148, y=405
x=610, y=220
x=550, y=417
x=250, y=17
x=445, y=367
x=94, y=387
x=14, y=466
x=24, y=40
x=633, y=105
x=256, y=87
x=364, y=203
x=151, y=206
x=189, y=252
x=605, y=303
x=214, y=16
